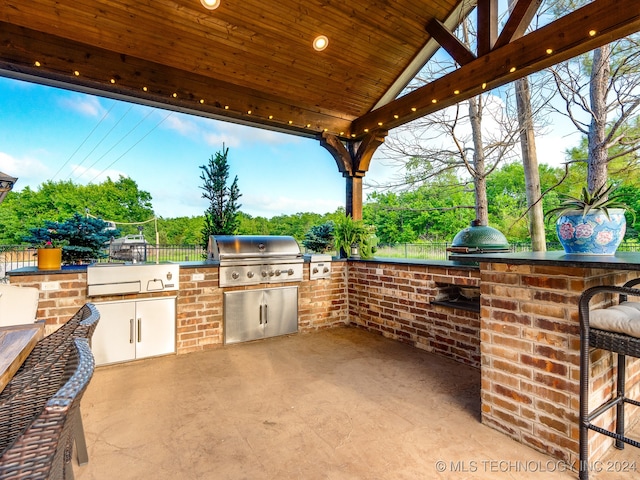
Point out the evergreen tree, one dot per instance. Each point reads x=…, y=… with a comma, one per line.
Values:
x=85, y=238
x=221, y=218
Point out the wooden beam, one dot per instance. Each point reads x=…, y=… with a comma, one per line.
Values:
x=461, y=11
x=339, y=152
x=353, y=160
x=519, y=19
x=58, y=59
x=363, y=150
x=454, y=47
x=566, y=38
x=487, y=15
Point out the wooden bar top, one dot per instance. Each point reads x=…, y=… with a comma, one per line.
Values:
x=16, y=343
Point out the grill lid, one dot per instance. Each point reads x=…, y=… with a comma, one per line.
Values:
x=236, y=247
x=479, y=238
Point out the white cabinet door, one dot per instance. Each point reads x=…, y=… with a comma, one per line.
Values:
x=156, y=327
x=114, y=338
x=134, y=329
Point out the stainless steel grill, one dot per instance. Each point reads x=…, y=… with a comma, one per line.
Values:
x=255, y=259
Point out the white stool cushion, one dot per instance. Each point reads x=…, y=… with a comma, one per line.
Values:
x=18, y=305
x=623, y=318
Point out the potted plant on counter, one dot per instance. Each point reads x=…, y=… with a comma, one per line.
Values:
x=49, y=255
x=591, y=224
x=354, y=237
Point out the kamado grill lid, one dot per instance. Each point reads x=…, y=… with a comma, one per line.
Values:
x=479, y=238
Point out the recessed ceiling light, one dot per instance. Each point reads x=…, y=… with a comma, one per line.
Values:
x=320, y=43
x=210, y=4
x=37, y=63
x=592, y=33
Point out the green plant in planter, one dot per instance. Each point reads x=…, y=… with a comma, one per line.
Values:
x=592, y=224
x=355, y=233
x=603, y=199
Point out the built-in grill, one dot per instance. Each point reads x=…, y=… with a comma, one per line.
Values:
x=255, y=259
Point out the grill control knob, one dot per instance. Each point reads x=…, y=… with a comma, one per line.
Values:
x=264, y=274
x=315, y=269
x=326, y=269
x=235, y=275
x=278, y=273
x=250, y=274
x=271, y=273
x=290, y=271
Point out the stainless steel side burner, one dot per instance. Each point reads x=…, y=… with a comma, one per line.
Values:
x=255, y=259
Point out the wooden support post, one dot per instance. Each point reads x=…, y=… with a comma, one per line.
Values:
x=353, y=159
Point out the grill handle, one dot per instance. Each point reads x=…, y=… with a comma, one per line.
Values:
x=260, y=314
x=139, y=330
x=266, y=315
x=131, y=334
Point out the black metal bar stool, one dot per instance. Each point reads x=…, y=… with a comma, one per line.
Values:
x=616, y=329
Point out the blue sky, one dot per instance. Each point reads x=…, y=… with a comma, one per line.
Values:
x=53, y=134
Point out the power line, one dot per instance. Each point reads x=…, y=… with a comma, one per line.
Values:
x=100, y=142
x=131, y=147
x=121, y=139
x=113, y=104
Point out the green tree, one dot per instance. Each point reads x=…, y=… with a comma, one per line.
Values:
x=85, y=237
x=221, y=218
x=120, y=201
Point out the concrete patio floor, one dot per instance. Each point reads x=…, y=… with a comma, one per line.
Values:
x=339, y=404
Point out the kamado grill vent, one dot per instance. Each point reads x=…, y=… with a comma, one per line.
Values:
x=254, y=259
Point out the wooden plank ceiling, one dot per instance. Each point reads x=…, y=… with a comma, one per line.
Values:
x=252, y=61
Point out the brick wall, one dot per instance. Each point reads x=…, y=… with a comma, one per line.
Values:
x=61, y=295
x=394, y=299
x=530, y=355
x=321, y=304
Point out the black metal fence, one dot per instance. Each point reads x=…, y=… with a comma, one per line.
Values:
x=17, y=256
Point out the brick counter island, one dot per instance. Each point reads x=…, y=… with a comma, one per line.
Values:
x=530, y=346
x=399, y=299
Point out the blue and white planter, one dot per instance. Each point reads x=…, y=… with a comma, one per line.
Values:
x=591, y=234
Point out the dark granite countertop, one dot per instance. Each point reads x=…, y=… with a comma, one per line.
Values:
x=619, y=261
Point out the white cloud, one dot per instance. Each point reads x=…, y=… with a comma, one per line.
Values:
x=182, y=124
x=28, y=170
x=268, y=206
x=551, y=148
x=84, y=104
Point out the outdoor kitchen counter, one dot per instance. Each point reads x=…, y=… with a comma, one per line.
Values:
x=620, y=261
x=529, y=344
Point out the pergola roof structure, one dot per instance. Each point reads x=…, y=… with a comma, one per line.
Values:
x=253, y=62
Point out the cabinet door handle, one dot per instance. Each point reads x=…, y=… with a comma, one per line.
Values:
x=266, y=315
x=131, y=334
x=260, y=314
x=139, y=330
